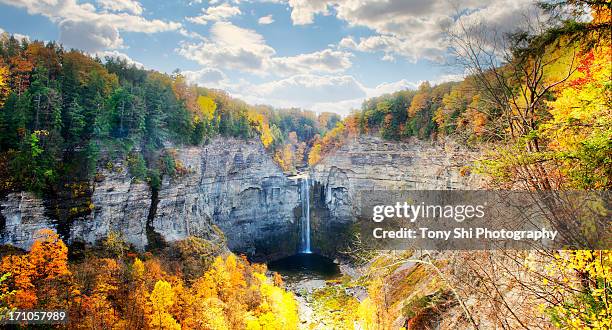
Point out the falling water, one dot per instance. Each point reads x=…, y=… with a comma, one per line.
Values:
x=305, y=234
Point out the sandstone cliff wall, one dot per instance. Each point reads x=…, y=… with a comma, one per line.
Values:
x=230, y=183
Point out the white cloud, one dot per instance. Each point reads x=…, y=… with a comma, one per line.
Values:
x=89, y=36
x=335, y=93
x=345, y=106
x=17, y=36
x=60, y=10
x=231, y=47
x=217, y=13
x=235, y=48
x=85, y=28
x=410, y=29
x=391, y=45
x=131, y=6
x=207, y=77
x=190, y=34
x=265, y=20
x=391, y=87
x=307, y=89
x=119, y=55
x=348, y=42
x=327, y=60
x=449, y=77
x=303, y=11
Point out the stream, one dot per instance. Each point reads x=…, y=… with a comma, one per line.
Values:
x=305, y=271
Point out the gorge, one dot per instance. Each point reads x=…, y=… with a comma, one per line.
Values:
x=232, y=188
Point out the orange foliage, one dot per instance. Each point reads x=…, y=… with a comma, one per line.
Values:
x=49, y=255
x=331, y=141
x=47, y=260
x=105, y=293
x=185, y=92
x=20, y=69
x=421, y=100
x=86, y=67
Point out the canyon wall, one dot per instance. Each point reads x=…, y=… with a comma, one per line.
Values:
x=368, y=163
x=233, y=185
x=230, y=184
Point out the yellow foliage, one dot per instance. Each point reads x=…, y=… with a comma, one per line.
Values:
x=285, y=158
x=207, y=108
x=278, y=306
x=138, y=269
x=367, y=314
x=162, y=299
x=211, y=315
x=261, y=124
x=586, y=271
x=315, y=154
x=4, y=83
x=581, y=125
x=107, y=293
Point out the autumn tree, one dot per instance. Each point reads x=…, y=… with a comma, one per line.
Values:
x=39, y=277
x=162, y=299
x=5, y=88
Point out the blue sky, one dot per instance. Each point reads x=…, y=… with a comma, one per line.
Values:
x=317, y=54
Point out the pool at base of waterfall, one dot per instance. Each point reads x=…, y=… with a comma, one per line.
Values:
x=305, y=266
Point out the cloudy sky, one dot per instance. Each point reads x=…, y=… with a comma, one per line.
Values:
x=316, y=54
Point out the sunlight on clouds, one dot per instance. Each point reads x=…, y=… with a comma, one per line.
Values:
x=81, y=26
x=211, y=78
x=303, y=11
x=411, y=29
x=89, y=36
x=232, y=47
x=218, y=13
x=240, y=60
x=265, y=20
x=131, y=6
x=119, y=55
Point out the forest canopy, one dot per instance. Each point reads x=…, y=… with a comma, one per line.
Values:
x=63, y=113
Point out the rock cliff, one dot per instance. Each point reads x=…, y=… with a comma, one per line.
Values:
x=234, y=185
x=229, y=183
x=371, y=163
x=21, y=216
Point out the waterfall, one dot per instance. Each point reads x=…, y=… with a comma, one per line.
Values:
x=305, y=230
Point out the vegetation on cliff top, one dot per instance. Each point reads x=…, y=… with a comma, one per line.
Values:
x=63, y=113
x=540, y=97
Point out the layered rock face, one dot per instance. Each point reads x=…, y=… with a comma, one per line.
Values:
x=230, y=183
x=22, y=215
x=235, y=185
x=121, y=205
x=370, y=163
